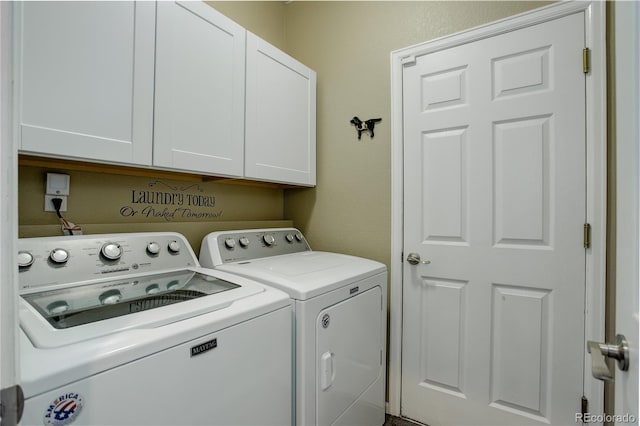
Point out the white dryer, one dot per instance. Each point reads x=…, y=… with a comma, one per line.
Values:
x=128, y=329
x=340, y=319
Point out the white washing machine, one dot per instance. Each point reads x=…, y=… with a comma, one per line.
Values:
x=128, y=329
x=340, y=319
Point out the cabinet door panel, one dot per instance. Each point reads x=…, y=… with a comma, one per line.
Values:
x=199, y=95
x=281, y=116
x=85, y=79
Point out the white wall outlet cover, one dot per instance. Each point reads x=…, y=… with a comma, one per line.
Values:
x=57, y=184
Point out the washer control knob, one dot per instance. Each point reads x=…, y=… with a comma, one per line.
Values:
x=230, y=243
x=59, y=256
x=289, y=238
x=25, y=259
x=153, y=248
x=244, y=242
x=299, y=237
x=174, y=246
x=111, y=251
x=268, y=239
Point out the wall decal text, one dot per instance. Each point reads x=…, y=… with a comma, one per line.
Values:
x=172, y=203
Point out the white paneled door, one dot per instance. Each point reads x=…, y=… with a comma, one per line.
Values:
x=494, y=205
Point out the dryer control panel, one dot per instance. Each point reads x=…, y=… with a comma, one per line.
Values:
x=245, y=245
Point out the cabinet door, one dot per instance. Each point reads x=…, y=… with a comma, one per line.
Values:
x=84, y=75
x=281, y=116
x=199, y=94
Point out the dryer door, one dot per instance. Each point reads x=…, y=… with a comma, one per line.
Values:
x=349, y=355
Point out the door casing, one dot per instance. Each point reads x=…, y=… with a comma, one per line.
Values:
x=596, y=109
x=627, y=135
x=9, y=347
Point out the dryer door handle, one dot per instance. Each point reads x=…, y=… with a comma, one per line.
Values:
x=327, y=373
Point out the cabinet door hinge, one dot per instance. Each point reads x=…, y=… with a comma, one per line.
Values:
x=587, y=236
x=586, y=60
x=584, y=406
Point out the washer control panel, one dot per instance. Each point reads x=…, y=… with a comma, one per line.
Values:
x=248, y=244
x=52, y=261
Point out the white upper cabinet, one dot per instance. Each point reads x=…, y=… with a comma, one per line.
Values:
x=161, y=85
x=280, y=141
x=84, y=79
x=200, y=90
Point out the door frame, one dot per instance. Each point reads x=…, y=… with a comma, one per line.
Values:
x=596, y=110
x=9, y=350
x=627, y=157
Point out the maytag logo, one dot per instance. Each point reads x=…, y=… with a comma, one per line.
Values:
x=204, y=347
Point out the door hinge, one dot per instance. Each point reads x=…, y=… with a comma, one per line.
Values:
x=587, y=236
x=408, y=60
x=11, y=405
x=584, y=406
x=586, y=60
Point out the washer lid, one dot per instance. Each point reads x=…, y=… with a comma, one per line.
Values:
x=75, y=306
x=307, y=274
x=64, y=316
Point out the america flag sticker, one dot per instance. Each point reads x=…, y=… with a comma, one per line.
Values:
x=63, y=410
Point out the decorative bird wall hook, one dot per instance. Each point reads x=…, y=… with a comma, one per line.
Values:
x=364, y=126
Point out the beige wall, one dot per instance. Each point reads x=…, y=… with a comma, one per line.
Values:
x=105, y=203
x=266, y=19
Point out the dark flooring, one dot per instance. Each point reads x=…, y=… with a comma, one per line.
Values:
x=397, y=421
